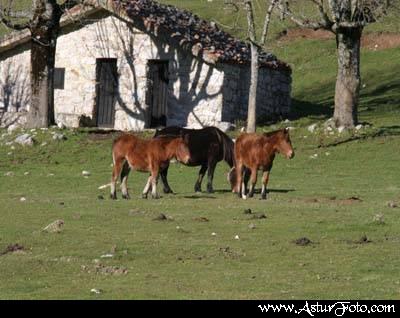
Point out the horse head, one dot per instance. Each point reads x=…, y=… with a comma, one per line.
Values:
x=284, y=144
x=182, y=149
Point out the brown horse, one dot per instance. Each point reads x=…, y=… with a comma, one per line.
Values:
x=131, y=152
x=254, y=152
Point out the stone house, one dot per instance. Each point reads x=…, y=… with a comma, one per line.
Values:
x=134, y=64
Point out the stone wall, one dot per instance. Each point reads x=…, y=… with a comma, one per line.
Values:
x=14, y=85
x=199, y=94
x=273, y=93
x=194, y=97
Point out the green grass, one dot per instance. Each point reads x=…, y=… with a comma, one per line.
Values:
x=166, y=262
x=307, y=198
x=234, y=20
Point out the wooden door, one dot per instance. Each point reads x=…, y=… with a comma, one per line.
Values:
x=106, y=91
x=157, y=92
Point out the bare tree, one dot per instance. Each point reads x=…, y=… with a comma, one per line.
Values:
x=255, y=46
x=346, y=19
x=43, y=23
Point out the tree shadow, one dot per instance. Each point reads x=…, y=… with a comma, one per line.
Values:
x=383, y=131
x=302, y=108
x=195, y=197
x=14, y=93
x=188, y=77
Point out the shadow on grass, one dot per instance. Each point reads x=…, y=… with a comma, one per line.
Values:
x=199, y=197
x=258, y=191
x=302, y=108
x=384, y=131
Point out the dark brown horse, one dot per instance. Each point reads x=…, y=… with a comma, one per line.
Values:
x=207, y=147
x=131, y=152
x=254, y=152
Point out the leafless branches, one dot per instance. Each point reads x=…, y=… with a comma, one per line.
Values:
x=23, y=19
x=334, y=14
x=9, y=17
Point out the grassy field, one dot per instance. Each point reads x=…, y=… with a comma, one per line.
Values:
x=337, y=199
x=332, y=200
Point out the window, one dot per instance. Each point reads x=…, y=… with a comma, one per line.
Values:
x=59, y=77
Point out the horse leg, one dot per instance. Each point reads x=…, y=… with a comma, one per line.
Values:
x=202, y=172
x=240, y=188
x=253, y=181
x=146, y=188
x=246, y=177
x=265, y=179
x=163, y=174
x=154, y=181
x=210, y=175
x=115, y=173
x=124, y=180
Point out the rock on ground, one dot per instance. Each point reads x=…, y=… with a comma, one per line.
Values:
x=25, y=140
x=54, y=227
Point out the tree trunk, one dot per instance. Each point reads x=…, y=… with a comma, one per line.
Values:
x=44, y=31
x=348, y=77
x=251, y=111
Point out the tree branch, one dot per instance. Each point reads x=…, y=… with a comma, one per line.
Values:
x=250, y=20
x=267, y=21
x=324, y=24
x=6, y=15
x=68, y=4
x=323, y=14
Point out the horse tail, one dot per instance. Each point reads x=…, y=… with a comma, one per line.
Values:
x=227, y=148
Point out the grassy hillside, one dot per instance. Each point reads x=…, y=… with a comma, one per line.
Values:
x=336, y=192
x=336, y=196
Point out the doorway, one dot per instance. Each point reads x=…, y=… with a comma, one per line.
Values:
x=157, y=93
x=106, y=91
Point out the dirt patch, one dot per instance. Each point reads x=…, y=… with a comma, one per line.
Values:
x=105, y=270
x=370, y=41
x=12, y=248
x=294, y=34
x=380, y=41
x=162, y=217
x=227, y=252
x=201, y=219
x=257, y=216
x=333, y=199
x=351, y=200
x=302, y=241
x=363, y=240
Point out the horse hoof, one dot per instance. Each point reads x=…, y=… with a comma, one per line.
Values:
x=113, y=196
x=251, y=195
x=166, y=191
x=155, y=196
x=126, y=197
x=144, y=196
x=244, y=197
x=210, y=190
x=263, y=197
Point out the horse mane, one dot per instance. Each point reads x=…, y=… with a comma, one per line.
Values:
x=272, y=133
